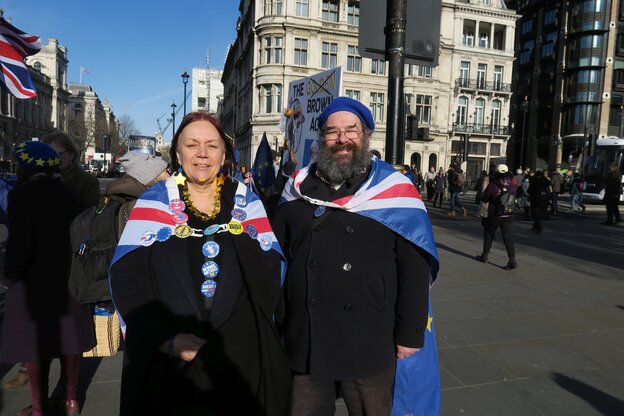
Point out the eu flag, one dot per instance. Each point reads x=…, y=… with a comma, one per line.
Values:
x=417, y=382
x=262, y=169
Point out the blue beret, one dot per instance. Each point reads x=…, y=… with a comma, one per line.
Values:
x=36, y=155
x=348, y=104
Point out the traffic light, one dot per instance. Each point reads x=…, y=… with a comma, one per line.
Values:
x=412, y=127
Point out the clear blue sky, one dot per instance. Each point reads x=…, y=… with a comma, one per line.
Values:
x=135, y=50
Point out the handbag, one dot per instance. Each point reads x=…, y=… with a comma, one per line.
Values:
x=107, y=333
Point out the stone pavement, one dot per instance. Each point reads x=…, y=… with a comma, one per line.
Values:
x=544, y=339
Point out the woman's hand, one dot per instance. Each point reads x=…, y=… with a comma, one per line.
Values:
x=185, y=346
x=404, y=352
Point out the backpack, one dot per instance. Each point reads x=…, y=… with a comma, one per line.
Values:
x=505, y=202
x=94, y=235
x=581, y=185
x=461, y=179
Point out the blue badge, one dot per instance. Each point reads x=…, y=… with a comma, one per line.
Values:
x=210, y=230
x=251, y=230
x=179, y=217
x=209, y=288
x=240, y=200
x=239, y=214
x=210, y=249
x=163, y=234
x=210, y=270
x=148, y=238
x=319, y=211
x=265, y=243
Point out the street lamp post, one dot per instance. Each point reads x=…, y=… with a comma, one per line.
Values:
x=173, y=107
x=525, y=107
x=621, y=135
x=185, y=78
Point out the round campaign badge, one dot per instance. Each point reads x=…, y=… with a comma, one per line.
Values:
x=177, y=205
x=319, y=211
x=265, y=243
x=163, y=234
x=239, y=214
x=211, y=229
x=208, y=288
x=235, y=227
x=210, y=270
x=183, y=231
x=251, y=230
x=210, y=249
x=240, y=200
x=179, y=217
x=148, y=238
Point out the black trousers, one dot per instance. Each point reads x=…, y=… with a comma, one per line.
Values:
x=613, y=210
x=438, y=195
x=537, y=212
x=366, y=396
x=506, y=226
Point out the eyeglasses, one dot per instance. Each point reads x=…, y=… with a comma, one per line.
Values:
x=333, y=135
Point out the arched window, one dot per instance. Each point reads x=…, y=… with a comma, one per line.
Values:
x=496, y=113
x=479, y=112
x=78, y=111
x=415, y=160
x=433, y=161
x=462, y=110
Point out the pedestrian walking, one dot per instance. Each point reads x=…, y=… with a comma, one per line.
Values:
x=577, y=186
x=41, y=320
x=525, y=199
x=556, y=185
x=500, y=196
x=429, y=178
x=343, y=324
x=456, y=181
x=613, y=190
x=439, y=185
x=540, y=196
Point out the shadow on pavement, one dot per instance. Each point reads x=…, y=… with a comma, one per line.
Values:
x=601, y=401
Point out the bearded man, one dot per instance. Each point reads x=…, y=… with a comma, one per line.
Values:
x=361, y=259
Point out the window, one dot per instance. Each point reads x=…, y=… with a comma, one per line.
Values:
x=423, y=108
x=377, y=106
x=548, y=47
x=495, y=149
x=479, y=112
x=378, y=67
x=527, y=26
x=330, y=10
x=271, y=98
x=273, y=50
x=353, y=13
x=481, y=76
x=354, y=60
x=409, y=100
x=355, y=94
x=462, y=110
x=424, y=71
x=409, y=70
x=464, y=73
x=302, y=8
x=78, y=111
x=329, y=55
x=550, y=17
x=201, y=102
x=498, y=77
x=484, y=40
x=475, y=148
x=273, y=7
x=525, y=55
x=37, y=66
x=301, y=51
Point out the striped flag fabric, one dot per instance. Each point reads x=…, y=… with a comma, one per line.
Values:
x=390, y=198
x=85, y=70
x=15, y=45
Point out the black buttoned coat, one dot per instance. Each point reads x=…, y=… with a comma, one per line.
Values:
x=354, y=288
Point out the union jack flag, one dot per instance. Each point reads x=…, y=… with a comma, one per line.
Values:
x=15, y=45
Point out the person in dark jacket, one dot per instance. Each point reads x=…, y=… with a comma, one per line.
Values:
x=439, y=185
x=540, y=194
x=613, y=190
x=455, y=188
x=41, y=320
x=196, y=278
x=502, y=181
x=556, y=186
x=356, y=290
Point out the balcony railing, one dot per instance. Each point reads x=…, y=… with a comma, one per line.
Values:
x=475, y=128
x=480, y=85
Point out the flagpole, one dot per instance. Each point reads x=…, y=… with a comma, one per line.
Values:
x=80, y=76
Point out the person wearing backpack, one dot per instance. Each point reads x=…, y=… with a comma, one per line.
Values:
x=456, y=181
x=500, y=195
x=577, y=186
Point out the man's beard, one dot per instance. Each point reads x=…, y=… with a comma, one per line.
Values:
x=337, y=171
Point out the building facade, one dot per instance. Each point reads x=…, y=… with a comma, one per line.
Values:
x=569, y=80
x=281, y=41
x=206, y=89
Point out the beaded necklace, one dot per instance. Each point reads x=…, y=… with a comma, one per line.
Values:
x=186, y=196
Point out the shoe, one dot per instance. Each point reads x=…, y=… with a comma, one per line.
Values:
x=583, y=208
x=465, y=212
x=72, y=408
x=28, y=411
x=20, y=379
x=451, y=214
x=482, y=258
x=511, y=265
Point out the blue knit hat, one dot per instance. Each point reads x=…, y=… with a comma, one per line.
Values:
x=348, y=104
x=36, y=155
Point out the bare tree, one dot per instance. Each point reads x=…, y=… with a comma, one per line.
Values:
x=127, y=127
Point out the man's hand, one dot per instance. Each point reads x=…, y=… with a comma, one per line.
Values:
x=185, y=346
x=404, y=352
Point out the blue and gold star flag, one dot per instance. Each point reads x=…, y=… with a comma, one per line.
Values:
x=262, y=170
